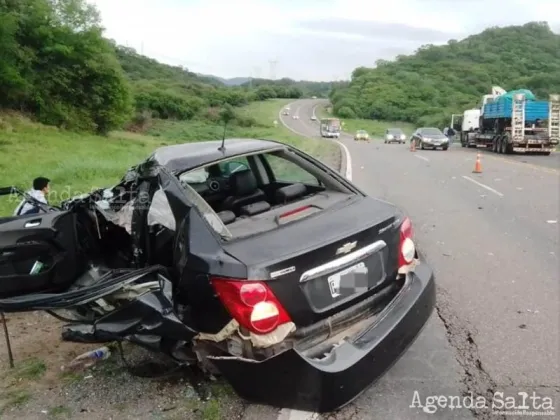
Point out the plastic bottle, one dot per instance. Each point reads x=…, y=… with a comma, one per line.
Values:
x=88, y=359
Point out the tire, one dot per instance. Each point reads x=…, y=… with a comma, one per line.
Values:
x=445, y=148
x=546, y=153
x=502, y=146
x=422, y=146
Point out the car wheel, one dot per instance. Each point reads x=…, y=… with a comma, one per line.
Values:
x=445, y=148
x=422, y=146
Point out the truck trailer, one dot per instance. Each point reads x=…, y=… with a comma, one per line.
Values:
x=513, y=122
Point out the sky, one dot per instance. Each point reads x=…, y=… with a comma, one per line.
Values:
x=319, y=40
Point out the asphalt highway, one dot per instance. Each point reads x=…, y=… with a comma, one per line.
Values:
x=493, y=240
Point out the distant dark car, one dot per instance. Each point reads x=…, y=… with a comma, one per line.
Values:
x=254, y=261
x=430, y=138
x=394, y=135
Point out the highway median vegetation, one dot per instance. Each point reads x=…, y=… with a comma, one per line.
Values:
x=424, y=89
x=80, y=109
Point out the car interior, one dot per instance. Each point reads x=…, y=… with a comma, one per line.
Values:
x=251, y=185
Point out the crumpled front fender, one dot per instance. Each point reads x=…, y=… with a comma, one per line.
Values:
x=148, y=320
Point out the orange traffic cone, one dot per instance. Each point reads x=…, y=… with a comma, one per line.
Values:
x=477, y=165
x=413, y=146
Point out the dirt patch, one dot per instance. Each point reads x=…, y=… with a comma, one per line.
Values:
x=37, y=388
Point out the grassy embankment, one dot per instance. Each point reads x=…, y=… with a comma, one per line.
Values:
x=376, y=129
x=78, y=163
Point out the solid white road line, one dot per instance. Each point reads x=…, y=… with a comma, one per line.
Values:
x=348, y=173
x=422, y=157
x=486, y=187
x=347, y=156
x=286, y=413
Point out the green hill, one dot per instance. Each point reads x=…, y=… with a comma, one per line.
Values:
x=427, y=87
x=57, y=67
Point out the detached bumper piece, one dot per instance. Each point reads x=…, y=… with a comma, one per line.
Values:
x=290, y=380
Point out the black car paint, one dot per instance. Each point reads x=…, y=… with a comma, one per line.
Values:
x=291, y=246
x=155, y=321
x=418, y=136
x=290, y=379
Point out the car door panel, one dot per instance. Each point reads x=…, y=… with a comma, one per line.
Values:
x=39, y=253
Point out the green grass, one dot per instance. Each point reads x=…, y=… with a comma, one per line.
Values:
x=31, y=369
x=78, y=163
x=13, y=398
x=376, y=129
x=265, y=113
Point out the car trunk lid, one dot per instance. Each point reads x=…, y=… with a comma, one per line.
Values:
x=324, y=264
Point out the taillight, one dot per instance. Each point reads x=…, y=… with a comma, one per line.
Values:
x=407, y=249
x=251, y=303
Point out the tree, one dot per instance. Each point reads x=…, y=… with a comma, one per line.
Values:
x=436, y=81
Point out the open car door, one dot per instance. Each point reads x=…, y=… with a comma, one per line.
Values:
x=49, y=261
x=38, y=252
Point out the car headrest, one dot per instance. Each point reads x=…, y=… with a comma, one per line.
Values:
x=290, y=192
x=227, y=216
x=255, y=208
x=243, y=182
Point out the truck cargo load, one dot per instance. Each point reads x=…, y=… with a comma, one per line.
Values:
x=503, y=108
x=513, y=122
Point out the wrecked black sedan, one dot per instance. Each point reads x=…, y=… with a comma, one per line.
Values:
x=249, y=259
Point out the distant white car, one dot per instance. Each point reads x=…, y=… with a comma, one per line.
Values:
x=295, y=117
x=313, y=118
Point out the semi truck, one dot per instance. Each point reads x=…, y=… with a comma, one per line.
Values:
x=330, y=128
x=512, y=122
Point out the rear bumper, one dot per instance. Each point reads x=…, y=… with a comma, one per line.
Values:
x=290, y=380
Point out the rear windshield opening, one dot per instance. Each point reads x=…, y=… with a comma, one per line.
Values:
x=256, y=193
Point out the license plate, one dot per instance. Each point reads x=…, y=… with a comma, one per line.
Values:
x=437, y=143
x=348, y=280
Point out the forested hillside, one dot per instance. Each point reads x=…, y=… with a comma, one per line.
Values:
x=56, y=65
x=427, y=87
x=308, y=88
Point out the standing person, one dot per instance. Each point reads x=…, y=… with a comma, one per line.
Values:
x=39, y=193
x=450, y=134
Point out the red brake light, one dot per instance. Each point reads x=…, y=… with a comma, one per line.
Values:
x=294, y=211
x=251, y=303
x=407, y=249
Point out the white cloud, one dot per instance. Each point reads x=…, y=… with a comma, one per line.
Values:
x=236, y=38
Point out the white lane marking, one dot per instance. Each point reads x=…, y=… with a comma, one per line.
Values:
x=486, y=187
x=348, y=173
x=552, y=222
x=286, y=413
x=313, y=111
x=422, y=157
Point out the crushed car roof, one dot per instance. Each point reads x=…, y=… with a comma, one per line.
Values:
x=185, y=156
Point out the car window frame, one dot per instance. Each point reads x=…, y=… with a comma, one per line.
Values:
x=272, y=176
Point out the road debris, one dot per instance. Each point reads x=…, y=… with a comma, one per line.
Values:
x=88, y=359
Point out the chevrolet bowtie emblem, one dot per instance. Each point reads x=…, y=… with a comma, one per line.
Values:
x=346, y=248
